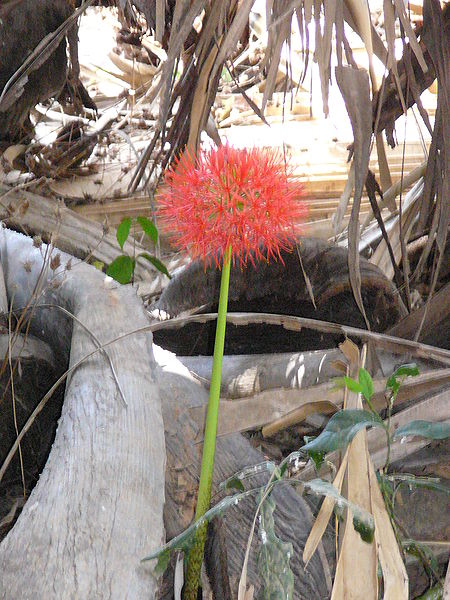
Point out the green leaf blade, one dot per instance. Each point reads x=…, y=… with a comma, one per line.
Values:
x=123, y=231
x=341, y=429
x=408, y=370
x=148, y=228
x=161, y=267
x=363, y=521
x=366, y=383
x=425, y=429
x=121, y=269
x=273, y=557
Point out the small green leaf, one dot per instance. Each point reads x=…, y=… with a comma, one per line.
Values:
x=366, y=383
x=362, y=520
x=426, y=429
x=273, y=558
x=317, y=458
x=429, y=483
x=121, y=269
x=123, y=231
x=365, y=531
x=184, y=540
x=410, y=370
x=341, y=429
x=349, y=383
x=419, y=549
x=235, y=481
x=98, y=264
x=148, y=228
x=156, y=263
x=162, y=564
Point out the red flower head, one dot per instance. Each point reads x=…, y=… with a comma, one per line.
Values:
x=231, y=197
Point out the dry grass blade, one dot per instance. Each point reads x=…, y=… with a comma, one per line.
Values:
x=279, y=28
x=395, y=578
x=3, y=295
x=383, y=166
x=183, y=19
x=400, y=8
x=356, y=556
x=339, y=215
x=402, y=226
x=235, y=30
x=324, y=515
x=389, y=28
x=304, y=38
x=354, y=86
x=323, y=46
x=160, y=19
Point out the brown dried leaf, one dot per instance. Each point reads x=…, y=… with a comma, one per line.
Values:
x=359, y=10
x=379, y=48
x=354, y=86
x=200, y=103
x=298, y=415
x=323, y=46
x=55, y=261
x=237, y=26
x=279, y=29
x=400, y=8
x=182, y=22
x=160, y=20
x=389, y=28
x=356, y=557
x=395, y=578
x=341, y=209
x=324, y=515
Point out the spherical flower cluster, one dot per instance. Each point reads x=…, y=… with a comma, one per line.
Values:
x=229, y=197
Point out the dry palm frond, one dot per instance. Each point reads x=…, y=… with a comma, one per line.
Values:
x=186, y=99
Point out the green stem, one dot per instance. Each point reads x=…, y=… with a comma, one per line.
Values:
x=195, y=556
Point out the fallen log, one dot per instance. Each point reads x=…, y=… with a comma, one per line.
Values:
x=98, y=505
x=73, y=233
x=311, y=281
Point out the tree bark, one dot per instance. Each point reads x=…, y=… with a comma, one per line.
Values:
x=97, y=508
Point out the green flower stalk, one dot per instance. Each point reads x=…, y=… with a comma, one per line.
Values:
x=228, y=205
